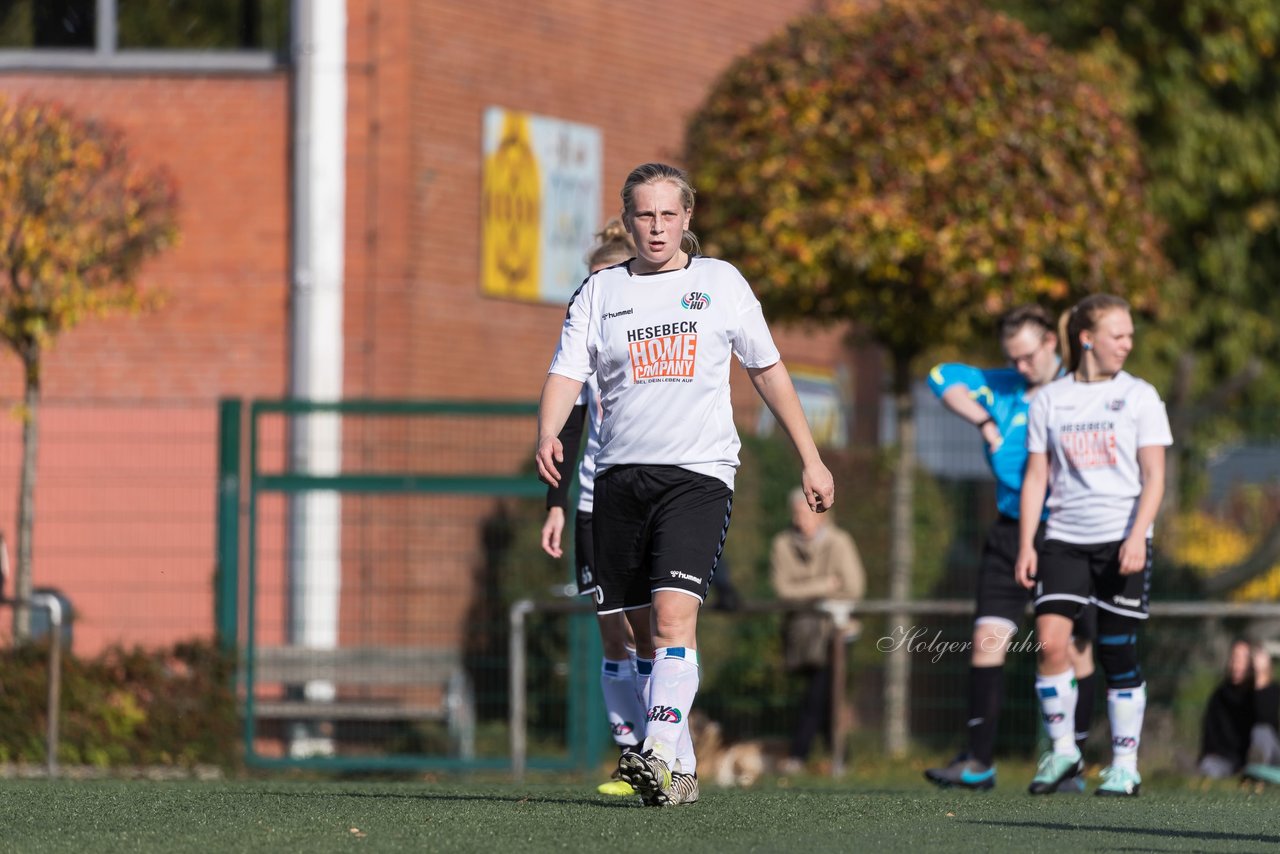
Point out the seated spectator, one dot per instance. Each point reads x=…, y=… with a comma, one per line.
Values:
x=1241, y=720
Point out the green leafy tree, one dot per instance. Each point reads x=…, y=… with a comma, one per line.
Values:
x=77, y=219
x=915, y=169
x=1201, y=80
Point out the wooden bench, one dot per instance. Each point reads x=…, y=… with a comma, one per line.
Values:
x=372, y=683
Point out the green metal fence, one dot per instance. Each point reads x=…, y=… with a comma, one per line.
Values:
x=438, y=540
x=380, y=644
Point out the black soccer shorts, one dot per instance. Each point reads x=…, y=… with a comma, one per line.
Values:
x=656, y=528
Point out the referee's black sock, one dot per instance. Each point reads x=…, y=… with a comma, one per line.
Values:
x=986, y=696
x=1086, y=689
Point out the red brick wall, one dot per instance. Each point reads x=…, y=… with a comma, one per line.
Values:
x=585, y=61
x=224, y=138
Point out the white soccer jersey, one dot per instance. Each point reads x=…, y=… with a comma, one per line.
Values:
x=1092, y=433
x=659, y=345
x=587, y=469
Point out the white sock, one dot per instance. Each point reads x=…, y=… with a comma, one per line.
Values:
x=1057, y=695
x=1126, y=708
x=644, y=673
x=671, y=692
x=626, y=715
x=684, y=752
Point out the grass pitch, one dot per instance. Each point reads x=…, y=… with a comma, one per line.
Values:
x=805, y=815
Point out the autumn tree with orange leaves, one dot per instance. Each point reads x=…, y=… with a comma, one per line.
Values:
x=914, y=168
x=77, y=220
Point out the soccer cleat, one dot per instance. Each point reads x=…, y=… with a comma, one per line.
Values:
x=1119, y=782
x=616, y=788
x=1071, y=786
x=1052, y=770
x=648, y=774
x=1262, y=773
x=684, y=790
x=964, y=772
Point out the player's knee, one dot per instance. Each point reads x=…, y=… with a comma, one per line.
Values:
x=1053, y=655
x=1053, y=635
x=1118, y=656
x=614, y=635
x=991, y=642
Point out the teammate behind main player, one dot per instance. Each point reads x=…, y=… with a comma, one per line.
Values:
x=1096, y=438
x=659, y=333
x=621, y=675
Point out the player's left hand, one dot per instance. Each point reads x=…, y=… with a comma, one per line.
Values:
x=1133, y=554
x=819, y=487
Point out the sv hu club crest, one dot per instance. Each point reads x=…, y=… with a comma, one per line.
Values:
x=665, y=714
x=695, y=300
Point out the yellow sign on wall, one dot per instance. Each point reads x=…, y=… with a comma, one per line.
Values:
x=511, y=214
x=540, y=205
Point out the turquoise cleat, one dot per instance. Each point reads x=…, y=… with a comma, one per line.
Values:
x=1119, y=783
x=1053, y=770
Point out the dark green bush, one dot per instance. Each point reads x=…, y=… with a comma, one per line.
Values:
x=170, y=706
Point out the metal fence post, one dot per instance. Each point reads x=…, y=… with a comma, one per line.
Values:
x=518, y=700
x=50, y=602
x=226, y=585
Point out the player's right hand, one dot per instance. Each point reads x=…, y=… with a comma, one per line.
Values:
x=552, y=531
x=549, y=452
x=1025, y=568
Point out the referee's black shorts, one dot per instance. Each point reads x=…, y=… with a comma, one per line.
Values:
x=656, y=528
x=1001, y=599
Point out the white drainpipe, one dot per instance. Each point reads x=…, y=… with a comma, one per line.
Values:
x=316, y=345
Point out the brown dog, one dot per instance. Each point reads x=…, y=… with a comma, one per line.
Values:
x=739, y=764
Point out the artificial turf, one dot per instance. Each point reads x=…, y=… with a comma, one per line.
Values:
x=315, y=816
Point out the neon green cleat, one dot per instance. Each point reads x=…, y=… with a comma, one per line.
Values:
x=616, y=788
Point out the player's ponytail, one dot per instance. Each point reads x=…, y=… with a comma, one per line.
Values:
x=613, y=245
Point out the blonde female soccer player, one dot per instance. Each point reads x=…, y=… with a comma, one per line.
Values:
x=659, y=334
x=1097, y=439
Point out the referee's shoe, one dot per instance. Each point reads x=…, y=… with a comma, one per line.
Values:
x=965, y=772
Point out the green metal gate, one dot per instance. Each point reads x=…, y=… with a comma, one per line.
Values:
x=365, y=580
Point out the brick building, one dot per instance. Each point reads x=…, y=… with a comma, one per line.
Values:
x=125, y=508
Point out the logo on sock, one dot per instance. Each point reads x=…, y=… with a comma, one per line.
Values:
x=665, y=714
x=1124, y=742
x=1054, y=717
x=621, y=728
